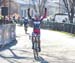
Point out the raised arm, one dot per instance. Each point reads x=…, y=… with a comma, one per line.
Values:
x=29, y=14
x=44, y=14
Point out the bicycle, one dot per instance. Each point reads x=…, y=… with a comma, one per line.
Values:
x=35, y=40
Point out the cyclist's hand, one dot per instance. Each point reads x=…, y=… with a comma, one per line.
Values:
x=45, y=9
x=28, y=9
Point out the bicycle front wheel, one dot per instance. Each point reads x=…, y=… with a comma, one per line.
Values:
x=35, y=51
x=35, y=54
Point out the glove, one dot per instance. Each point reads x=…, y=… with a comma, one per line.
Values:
x=45, y=9
x=28, y=9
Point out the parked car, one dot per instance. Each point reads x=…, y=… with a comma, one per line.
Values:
x=60, y=18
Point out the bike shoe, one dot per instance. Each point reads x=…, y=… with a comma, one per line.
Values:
x=39, y=49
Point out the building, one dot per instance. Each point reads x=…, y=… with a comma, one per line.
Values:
x=11, y=4
x=23, y=8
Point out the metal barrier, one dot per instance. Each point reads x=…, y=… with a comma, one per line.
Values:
x=67, y=27
x=7, y=33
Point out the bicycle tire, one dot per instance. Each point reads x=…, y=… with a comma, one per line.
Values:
x=35, y=51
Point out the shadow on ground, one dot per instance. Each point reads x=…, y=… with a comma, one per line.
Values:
x=15, y=58
x=42, y=60
x=4, y=47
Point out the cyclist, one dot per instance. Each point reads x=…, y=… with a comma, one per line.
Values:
x=36, y=25
x=25, y=23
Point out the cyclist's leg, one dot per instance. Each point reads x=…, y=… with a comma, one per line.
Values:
x=39, y=46
x=32, y=43
x=25, y=27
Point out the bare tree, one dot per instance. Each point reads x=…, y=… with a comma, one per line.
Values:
x=69, y=4
x=39, y=6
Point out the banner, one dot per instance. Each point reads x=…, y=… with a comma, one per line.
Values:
x=7, y=33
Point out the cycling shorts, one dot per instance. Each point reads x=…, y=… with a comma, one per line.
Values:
x=36, y=31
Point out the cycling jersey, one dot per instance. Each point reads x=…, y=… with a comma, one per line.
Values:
x=36, y=27
x=25, y=21
x=36, y=24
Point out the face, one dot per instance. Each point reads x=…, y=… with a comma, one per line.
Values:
x=36, y=17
